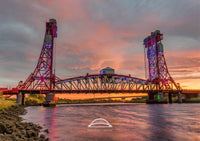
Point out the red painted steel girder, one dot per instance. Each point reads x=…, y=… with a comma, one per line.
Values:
x=184, y=91
x=99, y=75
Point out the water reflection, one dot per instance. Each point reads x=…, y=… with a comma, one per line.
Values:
x=160, y=126
x=50, y=117
x=130, y=122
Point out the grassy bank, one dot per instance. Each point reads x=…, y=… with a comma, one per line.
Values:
x=137, y=100
x=68, y=101
x=192, y=100
x=34, y=99
x=5, y=104
x=38, y=99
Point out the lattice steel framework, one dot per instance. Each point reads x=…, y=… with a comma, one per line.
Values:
x=43, y=76
x=158, y=71
x=105, y=82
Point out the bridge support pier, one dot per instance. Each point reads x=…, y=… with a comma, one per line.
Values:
x=179, y=97
x=170, y=97
x=21, y=98
x=160, y=96
x=156, y=98
x=49, y=100
x=151, y=98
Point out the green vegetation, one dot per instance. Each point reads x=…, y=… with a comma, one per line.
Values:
x=192, y=100
x=34, y=99
x=12, y=99
x=38, y=96
x=137, y=100
x=68, y=101
x=5, y=104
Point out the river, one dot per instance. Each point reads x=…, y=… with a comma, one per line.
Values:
x=69, y=122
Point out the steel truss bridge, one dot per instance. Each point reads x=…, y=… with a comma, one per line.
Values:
x=99, y=83
x=44, y=80
x=107, y=83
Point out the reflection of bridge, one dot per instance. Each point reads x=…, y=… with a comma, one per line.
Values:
x=43, y=80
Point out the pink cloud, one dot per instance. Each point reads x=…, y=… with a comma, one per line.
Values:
x=90, y=39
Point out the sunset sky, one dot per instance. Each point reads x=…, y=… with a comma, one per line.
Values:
x=94, y=34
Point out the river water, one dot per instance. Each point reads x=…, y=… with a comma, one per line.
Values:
x=69, y=122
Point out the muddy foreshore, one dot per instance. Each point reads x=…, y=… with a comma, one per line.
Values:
x=13, y=129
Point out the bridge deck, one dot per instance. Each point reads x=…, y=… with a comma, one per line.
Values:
x=11, y=92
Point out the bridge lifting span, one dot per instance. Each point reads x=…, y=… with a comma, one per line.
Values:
x=111, y=82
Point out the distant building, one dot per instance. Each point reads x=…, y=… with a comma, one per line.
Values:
x=107, y=70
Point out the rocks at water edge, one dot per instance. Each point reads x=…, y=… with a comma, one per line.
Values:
x=12, y=129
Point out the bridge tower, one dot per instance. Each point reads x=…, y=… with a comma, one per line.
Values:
x=157, y=67
x=43, y=77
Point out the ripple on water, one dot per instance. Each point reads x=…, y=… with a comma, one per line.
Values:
x=130, y=122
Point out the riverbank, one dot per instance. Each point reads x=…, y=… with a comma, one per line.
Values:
x=68, y=101
x=137, y=100
x=12, y=127
x=39, y=99
x=192, y=100
x=4, y=104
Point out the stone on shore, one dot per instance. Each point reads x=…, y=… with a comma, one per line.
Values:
x=12, y=127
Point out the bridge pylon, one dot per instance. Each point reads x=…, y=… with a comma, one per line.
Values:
x=157, y=67
x=43, y=77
